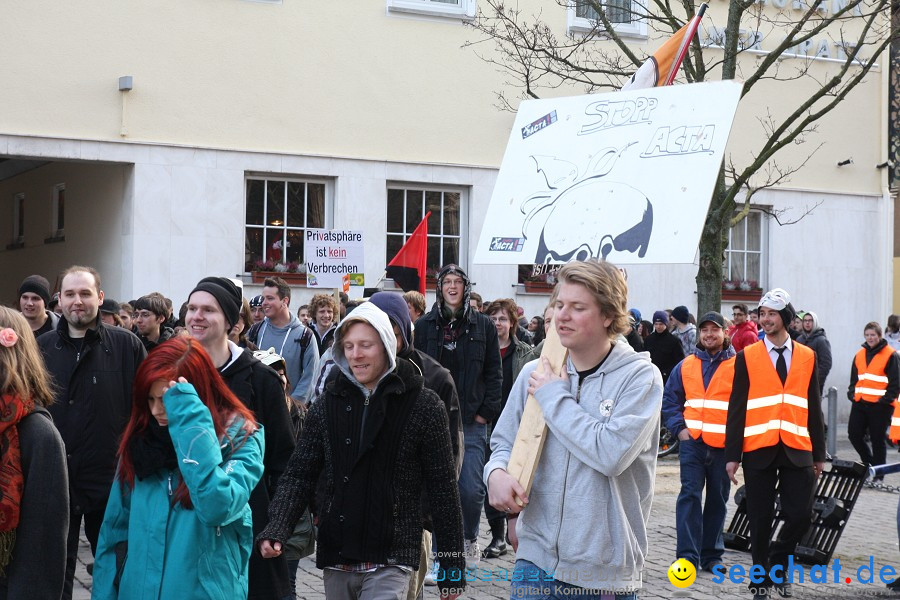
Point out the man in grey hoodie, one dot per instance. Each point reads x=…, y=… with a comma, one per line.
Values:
x=583, y=528
x=290, y=338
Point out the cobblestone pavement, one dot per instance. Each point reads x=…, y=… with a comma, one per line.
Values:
x=870, y=532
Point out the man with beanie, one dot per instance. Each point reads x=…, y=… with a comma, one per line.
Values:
x=382, y=440
x=212, y=310
x=438, y=380
x=93, y=367
x=465, y=342
x=695, y=408
x=34, y=299
x=814, y=336
x=775, y=429
x=256, y=309
x=664, y=348
x=684, y=330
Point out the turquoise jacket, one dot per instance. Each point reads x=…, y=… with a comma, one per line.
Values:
x=175, y=552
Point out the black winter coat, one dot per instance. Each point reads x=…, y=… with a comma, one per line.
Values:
x=92, y=405
x=260, y=389
x=378, y=454
x=38, y=564
x=665, y=351
x=479, y=372
x=818, y=343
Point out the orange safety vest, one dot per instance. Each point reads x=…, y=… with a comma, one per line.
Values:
x=706, y=409
x=894, y=432
x=775, y=411
x=871, y=379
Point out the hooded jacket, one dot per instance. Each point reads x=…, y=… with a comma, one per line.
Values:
x=379, y=449
x=478, y=374
x=296, y=345
x=92, y=404
x=818, y=343
x=687, y=337
x=175, y=552
x=598, y=463
x=743, y=335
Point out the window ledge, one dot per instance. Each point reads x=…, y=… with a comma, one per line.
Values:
x=742, y=295
x=534, y=289
x=55, y=239
x=465, y=11
x=15, y=245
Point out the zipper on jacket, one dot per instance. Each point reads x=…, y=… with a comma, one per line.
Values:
x=170, y=484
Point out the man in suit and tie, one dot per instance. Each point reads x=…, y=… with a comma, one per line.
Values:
x=775, y=429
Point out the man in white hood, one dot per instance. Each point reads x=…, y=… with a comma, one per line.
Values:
x=583, y=529
x=381, y=438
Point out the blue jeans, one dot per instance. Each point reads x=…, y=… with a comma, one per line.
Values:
x=471, y=482
x=700, y=527
x=529, y=582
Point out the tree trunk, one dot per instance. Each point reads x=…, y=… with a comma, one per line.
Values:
x=712, y=253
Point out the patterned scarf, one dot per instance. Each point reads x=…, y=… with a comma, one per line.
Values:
x=12, y=410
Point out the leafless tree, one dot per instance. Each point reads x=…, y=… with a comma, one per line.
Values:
x=752, y=46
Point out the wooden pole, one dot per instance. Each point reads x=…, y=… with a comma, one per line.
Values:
x=526, y=451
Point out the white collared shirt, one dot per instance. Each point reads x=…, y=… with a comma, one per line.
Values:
x=789, y=349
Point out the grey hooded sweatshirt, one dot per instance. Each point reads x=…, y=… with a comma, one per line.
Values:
x=586, y=520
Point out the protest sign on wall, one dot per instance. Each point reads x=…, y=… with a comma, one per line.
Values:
x=624, y=176
x=330, y=254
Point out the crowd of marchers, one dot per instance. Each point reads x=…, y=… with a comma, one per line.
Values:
x=205, y=452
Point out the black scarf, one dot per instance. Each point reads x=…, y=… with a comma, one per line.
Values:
x=152, y=450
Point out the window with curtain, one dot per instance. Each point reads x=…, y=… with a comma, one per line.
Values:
x=744, y=262
x=617, y=11
x=278, y=213
x=407, y=206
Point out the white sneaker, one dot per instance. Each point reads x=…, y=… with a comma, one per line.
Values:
x=432, y=575
x=473, y=554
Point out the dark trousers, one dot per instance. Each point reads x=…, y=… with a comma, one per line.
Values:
x=796, y=486
x=92, y=522
x=872, y=418
x=698, y=525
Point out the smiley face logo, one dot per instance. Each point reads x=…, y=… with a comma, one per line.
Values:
x=682, y=573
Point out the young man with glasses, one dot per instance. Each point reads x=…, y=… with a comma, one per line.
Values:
x=743, y=332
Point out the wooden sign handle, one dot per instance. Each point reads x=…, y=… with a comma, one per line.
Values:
x=526, y=451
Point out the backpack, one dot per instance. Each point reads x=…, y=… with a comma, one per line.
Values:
x=305, y=338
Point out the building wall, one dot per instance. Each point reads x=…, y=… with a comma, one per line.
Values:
x=319, y=79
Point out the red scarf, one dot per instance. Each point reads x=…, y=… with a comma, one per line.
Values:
x=12, y=410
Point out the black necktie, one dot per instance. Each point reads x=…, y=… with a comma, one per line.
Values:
x=781, y=364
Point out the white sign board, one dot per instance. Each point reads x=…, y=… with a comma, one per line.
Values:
x=625, y=176
x=330, y=254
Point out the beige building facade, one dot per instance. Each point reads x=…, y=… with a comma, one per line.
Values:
x=246, y=122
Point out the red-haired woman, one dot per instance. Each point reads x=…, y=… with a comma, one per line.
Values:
x=177, y=524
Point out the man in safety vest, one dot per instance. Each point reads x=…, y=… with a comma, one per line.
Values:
x=775, y=428
x=695, y=408
x=874, y=385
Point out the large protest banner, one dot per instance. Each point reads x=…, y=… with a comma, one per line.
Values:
x=625, y=176
x=330, y=254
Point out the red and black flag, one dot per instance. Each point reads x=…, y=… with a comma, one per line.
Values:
x=407, y=269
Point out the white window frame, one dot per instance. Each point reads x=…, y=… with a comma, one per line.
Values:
x=329, y=203
x=637, y=29
x=55, y=230
x=460, y=10
x=463, y=192
x=18, y=233
x=763, y=248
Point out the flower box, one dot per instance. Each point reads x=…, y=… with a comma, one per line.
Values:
x=289, y=278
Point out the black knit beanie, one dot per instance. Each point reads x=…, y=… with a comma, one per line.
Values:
x=226, y=294
x=36, y=285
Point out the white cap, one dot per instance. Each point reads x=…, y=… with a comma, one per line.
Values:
x=776, y=299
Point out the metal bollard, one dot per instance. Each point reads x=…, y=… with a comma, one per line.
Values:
x=832, y=420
